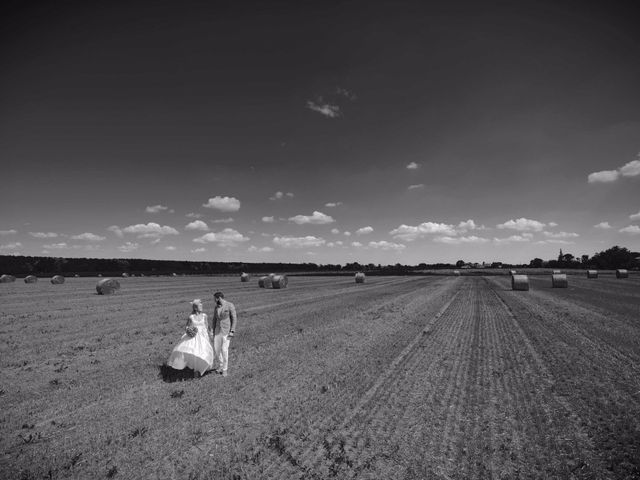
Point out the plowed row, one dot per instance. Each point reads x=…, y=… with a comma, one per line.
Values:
x=414, y=377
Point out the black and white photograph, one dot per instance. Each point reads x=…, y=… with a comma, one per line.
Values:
x=317, y=240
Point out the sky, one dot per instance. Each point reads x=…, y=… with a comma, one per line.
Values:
x=324, y=132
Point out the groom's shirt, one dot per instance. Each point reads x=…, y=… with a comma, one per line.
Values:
x=224, y=318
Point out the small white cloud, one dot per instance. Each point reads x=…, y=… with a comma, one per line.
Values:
x=226, y=238
x=261, y=249
x=224, y=204
x=223, y=220
x=631, y=169
x=11, y=246
x=356, y=244
x=128, y=247
x=347, y=234
x=460, y=240
x=150, y=230
x=410, y=233
x=513, y=239
x=116, y=229
x=56, y=246
x=317, y=218
x=335, y=231
x=603, y=225
x=560, y=234
x=267, y=219
x=156, y=209
x=468, y=225
x=332, y=204
x=43, y=234
x=170, y=248
x=299, y=242
x=326, y=109
x=364, y=230
x=413, y=166
x=415, y=187
x=197, y=225
x=8, y=232
x=552, y=224
x=632, y=229
x=384, y=245
x=523, y=225
x=281, y=195
x=554, y=241
x=91, y=237
x=199, y=250
x=635, y=216
x=605, y=176
x=194, y=215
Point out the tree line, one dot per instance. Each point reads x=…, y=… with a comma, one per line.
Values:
x=610, y=259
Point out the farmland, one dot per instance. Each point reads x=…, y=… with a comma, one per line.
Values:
x=400, y=377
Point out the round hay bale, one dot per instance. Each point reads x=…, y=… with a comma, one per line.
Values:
x=456, y=273
x=559, y=280
x=174, y=274
x=57, y=279
x=107, y=286
x=279, y=281
x=125, y=274
x=556, y=271
x=30, y=279
x=592, y=274
x=519, y=282
x=99, y=274
x=265, y=282
x=622, y=273
x=244, y=277
x=512, y=272
x=7, y=279
x=359, y=277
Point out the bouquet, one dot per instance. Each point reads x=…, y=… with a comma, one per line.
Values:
x=192, y=331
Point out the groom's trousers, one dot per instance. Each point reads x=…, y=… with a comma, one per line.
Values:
x=221, y=350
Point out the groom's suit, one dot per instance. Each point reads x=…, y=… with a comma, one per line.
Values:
x=224, y=325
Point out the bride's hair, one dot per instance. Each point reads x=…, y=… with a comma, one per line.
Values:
x=196, y=306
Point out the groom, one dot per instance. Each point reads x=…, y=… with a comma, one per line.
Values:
x=222, y=328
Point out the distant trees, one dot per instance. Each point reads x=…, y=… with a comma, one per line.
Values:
x=610, y=259
x=536, y=263
x=460, y=263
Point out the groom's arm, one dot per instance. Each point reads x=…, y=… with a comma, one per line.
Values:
x=233, y=317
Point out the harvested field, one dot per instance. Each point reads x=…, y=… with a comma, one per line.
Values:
x=399, y=378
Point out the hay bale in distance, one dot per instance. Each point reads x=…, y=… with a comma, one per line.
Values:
x=30, y=279
x=279, y=281
x=456, y=273
x=592, y=274
x=520, y=282
x=57, y=279
x=622, y=273
x=512, y=272
x=125, y=274
x=559, y=280
x=556, y=271
x=7, y=279
x=99, y=274
x=107, y=286
x=244, y=277
x=360, y=277
x=265, y=282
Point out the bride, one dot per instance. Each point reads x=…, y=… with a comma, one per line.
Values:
x=194, y=349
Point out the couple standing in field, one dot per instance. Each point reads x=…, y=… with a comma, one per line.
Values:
x=195, y=349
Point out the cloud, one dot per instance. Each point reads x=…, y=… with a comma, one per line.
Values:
x=281, y=195
x=299, y=242
x=318, y=218
x=513, y=239
x=337, y=243
x=150, y=230
x=194, y=215
x=326, y=109
x=346, y=93
x=555, y=241
x=347, y=233
x=267, y=219
x=412, y=166
x=224, y=204
x=469, y=225
x=384, y=245
x=552, y=224
x=332, y=204
x=10, y=246
x=91, y=237
x=226, y=238
x=170, y=248
x=603, y=225
x=116, y=229
x=335, y=231
x=523, y=225
x=43, y=234
x=632, y=229
x=8, y=232
x=356, y=244
x=560, y=234
x=199, y=250
x=460, y=240
x=415, y=187
x=128, y=247
x=156, y=209
x=197, y=225
x=54, y=246
x=410, y=233
x=364, y=230
x=262, y=249
x=223, y=220
x=631, y=169
x=635, y=216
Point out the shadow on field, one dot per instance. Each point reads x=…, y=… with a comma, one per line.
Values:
x=171, y=375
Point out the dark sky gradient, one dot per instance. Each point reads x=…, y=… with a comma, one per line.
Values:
x=506, y=108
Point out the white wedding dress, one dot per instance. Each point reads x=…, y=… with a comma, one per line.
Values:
x=193, y=352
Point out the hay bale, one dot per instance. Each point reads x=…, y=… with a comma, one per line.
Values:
x=279, y=281
x=57, y=279
x=30, y=279
x=265, y=282
x=360, y=277
x=456, y=273
x=556, y=271
x=622, y=273
x=99, y=274
x=7, y=279
x=244, y=277
x=107, y=286
x=125, y=275
x=512, y=272
x=559, y=280
x=519, y=282
x=174, y=274
x=592, y=274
